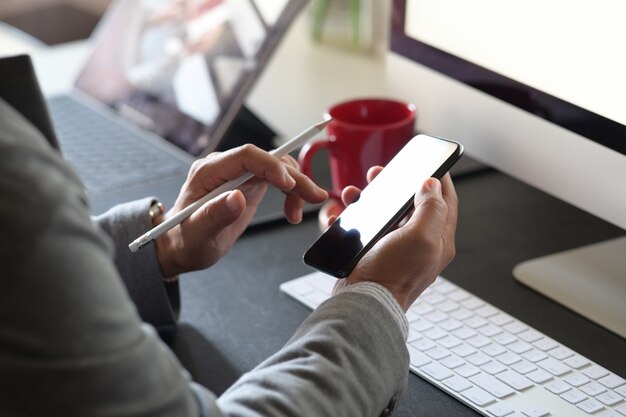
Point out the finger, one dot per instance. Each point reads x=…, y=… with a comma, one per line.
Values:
x=350, y=195
x=293, y=208
x=306, y=188
x=212, y=171
x=373, y=172
x=451, y=199
x=218, y=213
x=431, y=212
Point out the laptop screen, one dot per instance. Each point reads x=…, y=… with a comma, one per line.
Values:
x=182, y=68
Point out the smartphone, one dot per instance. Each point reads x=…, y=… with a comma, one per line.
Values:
x=381, y=205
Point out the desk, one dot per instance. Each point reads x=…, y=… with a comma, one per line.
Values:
x=233, y=314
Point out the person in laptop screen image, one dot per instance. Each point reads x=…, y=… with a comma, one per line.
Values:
x=78, y=310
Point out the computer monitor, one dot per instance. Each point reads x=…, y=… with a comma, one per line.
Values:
x=537, y=90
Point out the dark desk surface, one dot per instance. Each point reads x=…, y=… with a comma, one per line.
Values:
x=234, y=315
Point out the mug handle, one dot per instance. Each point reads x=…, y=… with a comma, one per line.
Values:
x=305, y=158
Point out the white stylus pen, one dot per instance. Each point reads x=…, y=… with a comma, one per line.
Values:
x=279, y=152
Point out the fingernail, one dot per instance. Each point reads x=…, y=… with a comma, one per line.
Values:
x=232, y=203
x=289, y=179
x=433, y=185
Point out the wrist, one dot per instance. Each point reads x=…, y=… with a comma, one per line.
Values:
x=162, y=243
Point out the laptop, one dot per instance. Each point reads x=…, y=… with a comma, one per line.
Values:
x=164, y=85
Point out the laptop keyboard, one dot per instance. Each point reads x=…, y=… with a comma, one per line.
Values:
x=488, y=359
x=107, y=156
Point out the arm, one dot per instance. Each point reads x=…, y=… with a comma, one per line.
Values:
x=348, y=358
x=71, y=342
x=157, y=302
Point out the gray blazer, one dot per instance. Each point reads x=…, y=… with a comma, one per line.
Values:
x=72, y=307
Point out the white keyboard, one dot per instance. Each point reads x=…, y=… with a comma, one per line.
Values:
x=489, y=360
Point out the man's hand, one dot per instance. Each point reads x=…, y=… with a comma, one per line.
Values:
x=408, y=259
x=205, y=236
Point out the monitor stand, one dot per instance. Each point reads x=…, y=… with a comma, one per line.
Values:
x=591, y=280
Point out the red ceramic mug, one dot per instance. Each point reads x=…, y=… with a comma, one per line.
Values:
x=363, y=133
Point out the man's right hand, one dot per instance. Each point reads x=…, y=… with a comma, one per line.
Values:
x=408, y=259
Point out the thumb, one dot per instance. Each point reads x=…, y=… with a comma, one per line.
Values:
x=220, y=212
x=431, y=210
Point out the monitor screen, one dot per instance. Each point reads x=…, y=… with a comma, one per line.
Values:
x=182, y=69
x=536, y=55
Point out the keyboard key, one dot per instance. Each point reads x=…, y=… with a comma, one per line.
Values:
x=493, y=367
x=519, y=347
x=561, y=353
x=421, y=325
x=535, y=355
x=437, y=353
x=472, y=303
x=478, y=396
x=478, y=341
x=465, y=333
x=475, y=322
x=467, y=370
x=609, y=398
x=621, y=390
x=450, y=324
x=417, y=358
x=499, y=410
x=539, y=376
x=530, y=336
x=558, y=387
x=536, y=411
x=452, y=362
x=611, y=381
x=576, y=361
x=458, y=295
x=464, y=350
x=590, y=406
x=504, y=338
x=509, y=358
x=437, y=371
x=450, y=341
x=435, y=333
x=592, y=389
x=553, y=366
x=515, y=327
x=493, y=349
x=576, y=379
x=491, y=385
x=524, y=367
x=433, y=298
x=515, y=380
x=621, y=409
x=423, y=344
x=545, y=344
x=490, y=330
x=436, y=316
x=422, y=308
x=461, y=314
x=501, y=319
x=574, y=396
x=486, y=311
x=457, y=383
x=595, y=372
x=478, y=359
x=448, y=306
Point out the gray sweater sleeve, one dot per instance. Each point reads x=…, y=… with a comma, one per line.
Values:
x=157, y=302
